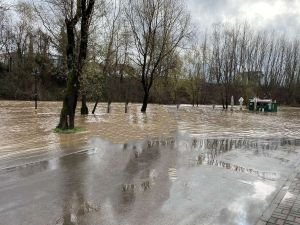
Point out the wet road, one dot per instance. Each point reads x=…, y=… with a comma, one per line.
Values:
x=192, y=166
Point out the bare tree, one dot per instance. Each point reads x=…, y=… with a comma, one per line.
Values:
x=292, y=69
x=110, y=47
x=159, y=28
x=194, y=68
x=217, y=60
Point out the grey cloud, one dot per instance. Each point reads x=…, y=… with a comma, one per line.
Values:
x=206, y=12
x=287, y=24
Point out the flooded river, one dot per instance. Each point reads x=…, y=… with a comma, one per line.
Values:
x=189, y=166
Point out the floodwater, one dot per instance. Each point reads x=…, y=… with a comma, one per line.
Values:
x=166, y=167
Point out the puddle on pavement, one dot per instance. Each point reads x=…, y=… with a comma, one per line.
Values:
x=117, y=182
x=208, y=152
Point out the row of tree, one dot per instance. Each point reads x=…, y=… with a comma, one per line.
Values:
x=257, y=63
x=117, y=50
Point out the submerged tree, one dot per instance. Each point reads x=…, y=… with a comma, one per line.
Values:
x=75, y=60
x=159, y=28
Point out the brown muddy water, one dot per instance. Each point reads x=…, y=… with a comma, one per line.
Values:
x=168, y=166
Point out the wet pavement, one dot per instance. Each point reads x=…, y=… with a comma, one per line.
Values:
x=285, y=207
x=187, y=166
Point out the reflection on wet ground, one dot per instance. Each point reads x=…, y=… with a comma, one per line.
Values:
x=186, y=166
x=212, y=148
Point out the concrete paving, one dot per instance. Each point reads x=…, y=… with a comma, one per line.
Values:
x=286, y=211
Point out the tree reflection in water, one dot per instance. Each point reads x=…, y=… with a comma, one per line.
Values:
x=211, y=149
x=73, y=191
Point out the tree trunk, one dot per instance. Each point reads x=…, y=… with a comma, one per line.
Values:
x=145, y=102
x=84, y=108
x=95, y=106
x=126, y=97
x=108, y=106
x=63, y=121
x=222, y=99
x=67, y=116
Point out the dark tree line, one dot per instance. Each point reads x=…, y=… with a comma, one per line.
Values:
x=238, y=61
x=23, y=48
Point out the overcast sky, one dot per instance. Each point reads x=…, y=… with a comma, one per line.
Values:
x=280, y=15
